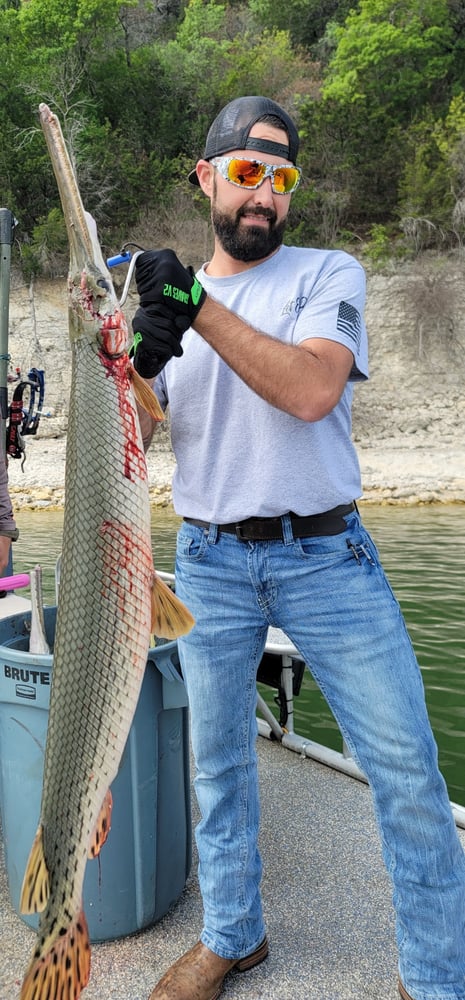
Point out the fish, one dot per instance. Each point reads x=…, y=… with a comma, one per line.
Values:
x=110, y=601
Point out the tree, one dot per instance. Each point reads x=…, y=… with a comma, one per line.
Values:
x=305, y=20
x=432, y=187
x=388, y=72
x=395, y=57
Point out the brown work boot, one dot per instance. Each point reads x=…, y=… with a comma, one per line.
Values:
x=403, y=992
x=199, y=974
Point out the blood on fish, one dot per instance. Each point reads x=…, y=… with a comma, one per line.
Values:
x=134, y=566
x=134, y=464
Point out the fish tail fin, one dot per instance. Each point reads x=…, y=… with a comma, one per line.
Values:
x=60, y=967
x=145, y=395
x=102, y=826
x=36, y=882
x=170, y=617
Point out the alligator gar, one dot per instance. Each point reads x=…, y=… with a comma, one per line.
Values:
x=110, y=601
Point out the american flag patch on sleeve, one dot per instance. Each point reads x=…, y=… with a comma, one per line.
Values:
x=349, y=322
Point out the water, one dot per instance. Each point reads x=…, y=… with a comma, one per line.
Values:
x=423, y=552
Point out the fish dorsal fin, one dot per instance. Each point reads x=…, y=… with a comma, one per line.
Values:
x=60, y=968
x=102, y=826
x=170, y=617
x=36, y=882
x=145, y=396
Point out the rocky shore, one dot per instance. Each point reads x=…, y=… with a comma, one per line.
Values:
x=40, y=483
x=396, y=471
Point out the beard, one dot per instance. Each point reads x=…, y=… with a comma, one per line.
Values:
x=248, y=243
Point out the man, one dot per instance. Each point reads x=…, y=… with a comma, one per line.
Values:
x=266, y=343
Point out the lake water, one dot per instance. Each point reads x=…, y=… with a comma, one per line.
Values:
x=423, y=552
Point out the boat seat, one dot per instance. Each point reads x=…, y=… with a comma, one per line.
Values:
x=281, y=667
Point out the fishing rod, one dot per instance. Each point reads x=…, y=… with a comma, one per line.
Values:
x=7, y=226
x=126, y=257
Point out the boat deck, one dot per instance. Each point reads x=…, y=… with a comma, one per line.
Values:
x=326, y=897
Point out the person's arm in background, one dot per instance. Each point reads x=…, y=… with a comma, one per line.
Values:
x=8, y=530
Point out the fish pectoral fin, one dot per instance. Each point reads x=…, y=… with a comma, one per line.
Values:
x=102, y=827
x=170, y=617
x=36, y=882
x=145, y=396
x=60, y=967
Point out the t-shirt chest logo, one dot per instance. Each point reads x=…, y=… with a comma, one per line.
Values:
x=294, y=306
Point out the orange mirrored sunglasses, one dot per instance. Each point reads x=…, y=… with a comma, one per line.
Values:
x=251, y=173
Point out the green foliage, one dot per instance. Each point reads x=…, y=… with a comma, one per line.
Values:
x=381, y=117
x=353, y=161
x=201, y=21
x=432, y=187
x=66, y=23
x=378, y=249
x=305, y=20
x=263, y=66
x=47, y=253
x=370, y=140
x=393, y=56
x=451, y=131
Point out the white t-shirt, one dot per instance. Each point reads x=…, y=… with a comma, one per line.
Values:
x=237, y=456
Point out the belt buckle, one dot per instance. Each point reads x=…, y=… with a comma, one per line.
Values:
x=239, y=528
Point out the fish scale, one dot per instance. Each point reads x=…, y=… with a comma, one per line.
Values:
x=87, y=718
x=110, y=599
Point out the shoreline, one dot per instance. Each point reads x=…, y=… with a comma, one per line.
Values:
x=393, y=472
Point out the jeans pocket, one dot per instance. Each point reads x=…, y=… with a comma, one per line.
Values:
x=191, y=543
x=325, y=548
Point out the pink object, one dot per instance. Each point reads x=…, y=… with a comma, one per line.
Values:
x=12, y=582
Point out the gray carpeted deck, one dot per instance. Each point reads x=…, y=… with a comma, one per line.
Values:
x=326, y=897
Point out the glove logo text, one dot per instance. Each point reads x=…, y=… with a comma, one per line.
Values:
x=178, y=294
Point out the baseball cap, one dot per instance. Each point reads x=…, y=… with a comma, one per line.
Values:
x=231, y=128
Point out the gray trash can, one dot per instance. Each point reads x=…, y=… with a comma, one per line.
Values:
x=143, y=867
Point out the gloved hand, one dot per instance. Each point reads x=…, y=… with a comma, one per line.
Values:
x=162, y=280
x=157, y=338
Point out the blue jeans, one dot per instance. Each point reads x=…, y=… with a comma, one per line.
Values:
x=333, y=601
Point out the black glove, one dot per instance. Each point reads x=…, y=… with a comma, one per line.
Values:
x=157, y=338
x=162, y=280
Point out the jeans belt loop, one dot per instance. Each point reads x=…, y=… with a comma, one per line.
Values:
x=213, y=532
x=288, y=534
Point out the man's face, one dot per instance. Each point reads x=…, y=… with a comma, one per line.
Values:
x=252, y=232
x=250, y=225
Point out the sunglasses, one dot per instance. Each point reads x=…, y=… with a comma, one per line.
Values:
x=250, y=174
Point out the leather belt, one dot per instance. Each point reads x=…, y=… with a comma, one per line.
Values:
x=266, y=529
